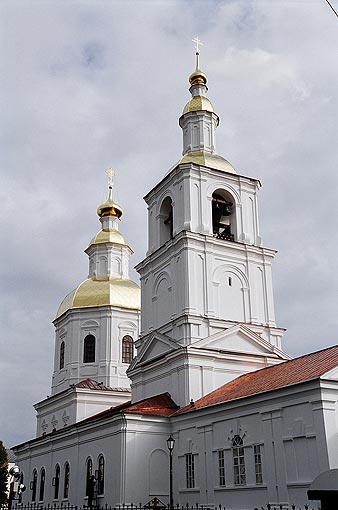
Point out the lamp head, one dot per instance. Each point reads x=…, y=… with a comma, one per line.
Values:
x=170, y=443
x=15, y=471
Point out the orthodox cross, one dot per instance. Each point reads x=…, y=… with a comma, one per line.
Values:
x=197, y=42
x=111, y=173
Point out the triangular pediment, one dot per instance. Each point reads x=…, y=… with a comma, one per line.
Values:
x=240, y=338
x=155, y=346
x=331, y=374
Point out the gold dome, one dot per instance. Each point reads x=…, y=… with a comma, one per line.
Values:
x=207, y=159
x=109, y=208
x=113, y=292
x=108, y=236
x=198, y=78
x=198, y=103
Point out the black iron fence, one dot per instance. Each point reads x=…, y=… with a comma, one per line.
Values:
x=140, y=506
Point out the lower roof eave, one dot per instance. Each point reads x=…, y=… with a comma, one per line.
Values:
x=185, y=413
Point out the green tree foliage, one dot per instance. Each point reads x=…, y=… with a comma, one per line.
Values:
x=3, y=474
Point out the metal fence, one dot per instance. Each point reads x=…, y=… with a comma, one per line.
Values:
x=140, y=506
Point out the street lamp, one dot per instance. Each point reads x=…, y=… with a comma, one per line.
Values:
x=171, y=444
x=16, y=487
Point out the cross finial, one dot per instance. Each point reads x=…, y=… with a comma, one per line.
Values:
x=111, y=173
x=197, y=42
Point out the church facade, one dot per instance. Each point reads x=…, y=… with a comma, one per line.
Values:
x=203, y=364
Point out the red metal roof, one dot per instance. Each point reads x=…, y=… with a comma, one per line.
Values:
x=94, y=385
x=160, y=405
x=304, y=368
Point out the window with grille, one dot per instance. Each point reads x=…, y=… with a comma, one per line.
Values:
x=221, y=467
x=42, y=484
x=66, y=482
x=190, y=470
x=89, y=349
x=62, y=355
x=101, y=475
x=258, y=464
x=127, y=349
x=238, y=461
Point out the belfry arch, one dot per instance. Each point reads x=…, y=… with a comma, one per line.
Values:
x=223, y=215
x=166, y=220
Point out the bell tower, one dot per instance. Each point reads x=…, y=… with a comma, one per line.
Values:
x=206, y=286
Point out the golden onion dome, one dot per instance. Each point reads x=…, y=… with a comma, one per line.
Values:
x=198, y=78
x=110, y=292
x=198, y=103
x=109, y=208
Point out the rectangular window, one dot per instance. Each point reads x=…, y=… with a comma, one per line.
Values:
x=258, y=464
x=221, y=467
x=239, y=465
x=190, y=470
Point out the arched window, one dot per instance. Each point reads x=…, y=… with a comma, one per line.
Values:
x=42, y=484
x=62, y=355
x=238, y=460
x=34, y=484
x=101, y=475
x=89, y=472
x=222, y=221
x=56, y=481
x=89, y=349
x=166, y=220
x=66, y=481
x=127, y=349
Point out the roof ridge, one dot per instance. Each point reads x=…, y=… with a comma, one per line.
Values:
x=288, y=361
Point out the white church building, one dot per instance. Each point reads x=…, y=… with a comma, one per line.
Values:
x=203, y=363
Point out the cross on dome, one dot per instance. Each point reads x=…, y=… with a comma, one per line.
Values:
x=111, y=173
x=109, y=208
x=197, y=42
x=197, y=77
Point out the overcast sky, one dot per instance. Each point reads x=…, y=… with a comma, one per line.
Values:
x=92, y=84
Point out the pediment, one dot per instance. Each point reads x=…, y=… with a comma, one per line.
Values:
x=239, y=338
x=331, y=374
x=156, y=346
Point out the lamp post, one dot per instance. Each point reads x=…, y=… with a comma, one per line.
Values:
x=171, y=444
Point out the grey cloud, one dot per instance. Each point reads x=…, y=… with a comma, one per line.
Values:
x=91, y=85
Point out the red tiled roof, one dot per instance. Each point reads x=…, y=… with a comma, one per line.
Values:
x=160, y=405
x=94, y=385
x=305, y=368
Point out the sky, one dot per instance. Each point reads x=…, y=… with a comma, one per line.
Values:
x=88, y=85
